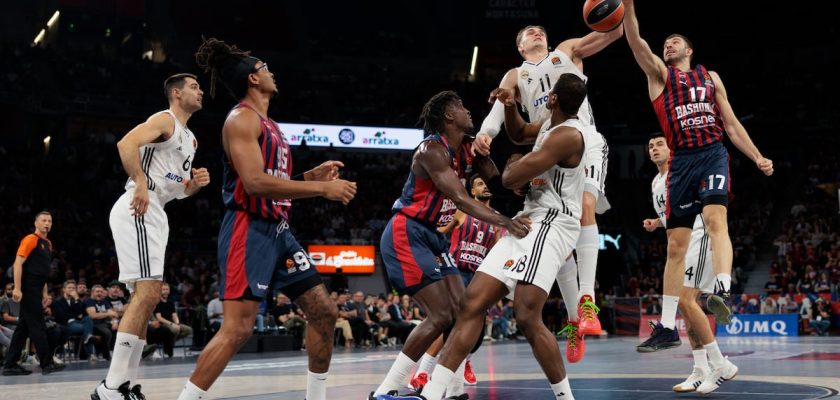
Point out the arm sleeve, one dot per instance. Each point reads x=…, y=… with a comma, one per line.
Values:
x=494, y=120
x=27, y=245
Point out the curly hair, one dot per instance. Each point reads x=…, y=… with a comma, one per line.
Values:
x=433, y=112
x=221, y=61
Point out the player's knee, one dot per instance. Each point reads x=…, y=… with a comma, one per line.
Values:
x=717, y=225
x=676, y=249
x=443, y=320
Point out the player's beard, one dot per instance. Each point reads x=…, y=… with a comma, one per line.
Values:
x=484, y=197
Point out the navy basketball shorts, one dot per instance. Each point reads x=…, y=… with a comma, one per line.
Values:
x=414, y=254
x=255, y=254
x=696, y=178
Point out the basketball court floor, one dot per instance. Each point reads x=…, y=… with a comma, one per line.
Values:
x=770, y=368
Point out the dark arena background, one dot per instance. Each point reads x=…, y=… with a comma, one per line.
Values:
x=352, y=78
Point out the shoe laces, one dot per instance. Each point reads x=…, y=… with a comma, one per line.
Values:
x=571, y=333
x=589, y=309
x=136, y=394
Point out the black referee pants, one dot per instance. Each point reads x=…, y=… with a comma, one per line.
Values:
x=32, y=325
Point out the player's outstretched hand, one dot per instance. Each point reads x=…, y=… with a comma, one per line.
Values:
x=200, y=177
x=765, y=165
x=506, y=96
x=481, y=144
x=340, y=190
x=519, y=226
x=327, y=171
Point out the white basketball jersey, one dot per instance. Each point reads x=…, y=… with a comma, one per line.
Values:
x=167, y=165
x=557, y=188
x=536, y=80
x=660, y=199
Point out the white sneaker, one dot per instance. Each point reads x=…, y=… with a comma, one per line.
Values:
x=57, y=360
x=103, y=393
x=693, y=381
x=718, y=376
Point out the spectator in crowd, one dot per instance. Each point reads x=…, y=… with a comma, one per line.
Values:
x=82, y=290
x=822, y=318
x=769, y=306
x=167, y=315
x=57, y=334
x=117, y=299
x=772, y=286
x=157, y=334
x=69, y=313
x=342, y=322
x=104, y=327
x=359, y=320
x=286, y=314
x=653, y=305
x=399, y=327
x=498, y=321
x=215, y=312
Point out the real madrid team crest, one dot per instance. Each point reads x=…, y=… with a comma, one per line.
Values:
x=556, y=61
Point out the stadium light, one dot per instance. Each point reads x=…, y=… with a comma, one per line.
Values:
x=53, y=19
x=47, y=140
x=39, y=38
x=474, y=57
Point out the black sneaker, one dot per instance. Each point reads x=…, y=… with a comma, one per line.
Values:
x=15, y=370
x=719, y=304
x=660, y=339
x=373, y=396
x=136, y=394
x=148, y=350
x=463, y=396
x=54, y=367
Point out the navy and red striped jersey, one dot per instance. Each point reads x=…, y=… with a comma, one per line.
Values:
x=277, y=161
x=422, y=201
x=470, y=243
x=687, y=111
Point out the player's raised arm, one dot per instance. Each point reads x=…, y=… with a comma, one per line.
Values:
x=434, y=159
x=241, y=131
x=736, y=132
x=560, y=145
x=493, y=122
x=519, y=131
x=580, y=48
x=651, y=64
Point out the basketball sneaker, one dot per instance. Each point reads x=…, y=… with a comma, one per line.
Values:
x=575, y=346
x=469, y=375
x=395, y=396
x=373, y=396
x=718, y=376
x=103, y=393
x=693, y=381
x=718, y=304
x=419, y=381
x=136, y=393
x=462, y=396
x=660, y=339
x=588, y=317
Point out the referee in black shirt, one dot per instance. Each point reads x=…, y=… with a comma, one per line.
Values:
x=31, y=269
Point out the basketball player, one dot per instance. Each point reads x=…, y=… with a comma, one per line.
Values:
x=699, y=278
x=470, y=241
x=531, y=83
x=254, y=239
x=527, y=267
x=158, y=156
x=694, y=113
x=415, y=254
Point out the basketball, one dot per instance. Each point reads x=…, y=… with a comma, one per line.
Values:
x=603, y=15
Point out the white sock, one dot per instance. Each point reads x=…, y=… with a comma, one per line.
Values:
x=715, y=356
x=567, y=280
x=456, y=384
x=587, y=254
x=437, y=384
x=398, y=375
x=118, y=372
x=191, y=392
x=134, y=363
x=700, y=360
x=725, y=281
x=427, y=364
x=316, y=386
x=563, y=390
x=669, y=311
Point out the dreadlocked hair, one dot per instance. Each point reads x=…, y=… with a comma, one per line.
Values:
x=433, y=112
x=215, y=55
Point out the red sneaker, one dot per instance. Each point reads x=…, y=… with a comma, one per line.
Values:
x=469, y=375
x=419, y=381
x=575, y=346
x=588, y=317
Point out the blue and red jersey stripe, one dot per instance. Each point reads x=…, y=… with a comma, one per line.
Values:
x=471, y=231
x=277, y=161
x=421, y=200
x=687, y=111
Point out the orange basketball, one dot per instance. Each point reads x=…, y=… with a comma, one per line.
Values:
x=603, y=15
